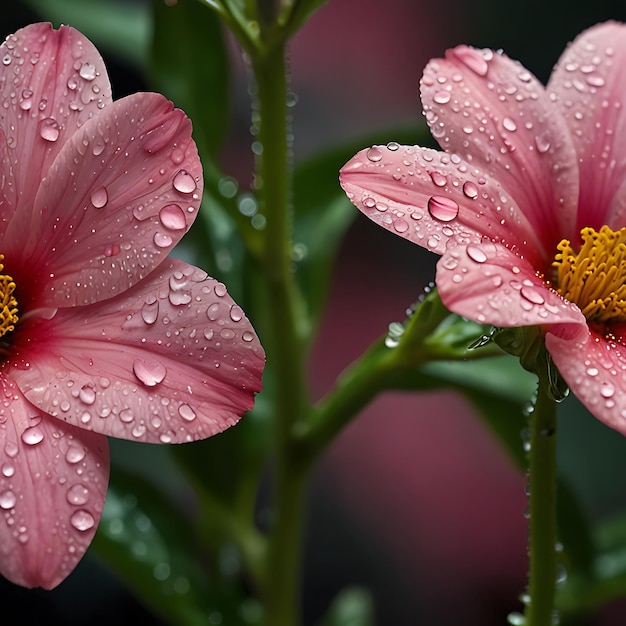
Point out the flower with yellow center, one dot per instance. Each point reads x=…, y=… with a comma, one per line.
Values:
x=525, y=171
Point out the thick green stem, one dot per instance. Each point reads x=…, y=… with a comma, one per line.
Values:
x=284, y=342
x=542, y=508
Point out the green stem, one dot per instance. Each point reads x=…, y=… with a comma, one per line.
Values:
x=284, y=343
x=542, y=508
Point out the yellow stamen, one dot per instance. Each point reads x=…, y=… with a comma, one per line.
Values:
x=594, y=277
x=8, y=303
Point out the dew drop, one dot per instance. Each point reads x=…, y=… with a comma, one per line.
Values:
x=87, y=394
x=32, y=436
x=592, y=371
x=476, y=254
x=74, y=454
x=82, y=520
x=443, y=208
x=607, y=390
x=509, y=124
x=438, y=179
x=374, y=154
x=172, y=217
x=11, y=449
x=150, y=373
x=542, y=143
x=8, y=499
x=473, y=59
x=247, y=336
x=150, y=311
x=400, y=225
x=162, y=240
x=6, y=59
x=99, y=197
x=184, y=182
x=87, y=71
x=49, y=129
x=442, y=97
x=470, y=190
x=236, y=313
x=8, y=469
x=532, y=295
x=186, y=412
x=77, y=495
x=112, y=250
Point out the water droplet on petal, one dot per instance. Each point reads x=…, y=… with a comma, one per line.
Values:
x=82, y=520
x=87, y=71
x=374, y=154
x=186, y=412
x=6, y=59
x=443, y=208
x=8, y=499
x=476, y=254
x=248, y=336
x=400, y=225
x=32, y=436
x=150, y=373
x=8, y=469
x=184, y=182
x=438, y=179
x=472, y=58
x=236, y=313
x=470, y=190
x=87, y=394
x=172, y=217
x=607, y=390
x=11, y=449
x=74, y=454
x=77, y=494
x=161, y=240
x=509, y=124
x=150, y=311
x=99, y=197
x=442, y=97
x=49, y=129
x=543, y=143
x=532, y=294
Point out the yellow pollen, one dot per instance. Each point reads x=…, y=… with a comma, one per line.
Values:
x=594, y=277
x=8, y=303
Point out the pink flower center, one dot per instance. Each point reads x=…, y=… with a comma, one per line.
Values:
x=594, y=277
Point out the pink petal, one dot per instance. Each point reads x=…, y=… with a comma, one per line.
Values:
x=53, y=481
x=172, y=360
x=490, y=284
x=119, y=196
x=51, y=82
x=588, y=85
x=497, y=116
x=594, y=367
x=432, y=197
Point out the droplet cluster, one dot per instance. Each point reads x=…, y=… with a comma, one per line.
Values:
x=189, y=357
x=51, y=484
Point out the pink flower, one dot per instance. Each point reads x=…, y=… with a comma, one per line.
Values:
x=527, y=205
x=102, y=333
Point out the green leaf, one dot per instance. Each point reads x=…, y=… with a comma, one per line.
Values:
x=189, y=64
x=351, y=607
x=153, y=547
x=120, y=27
